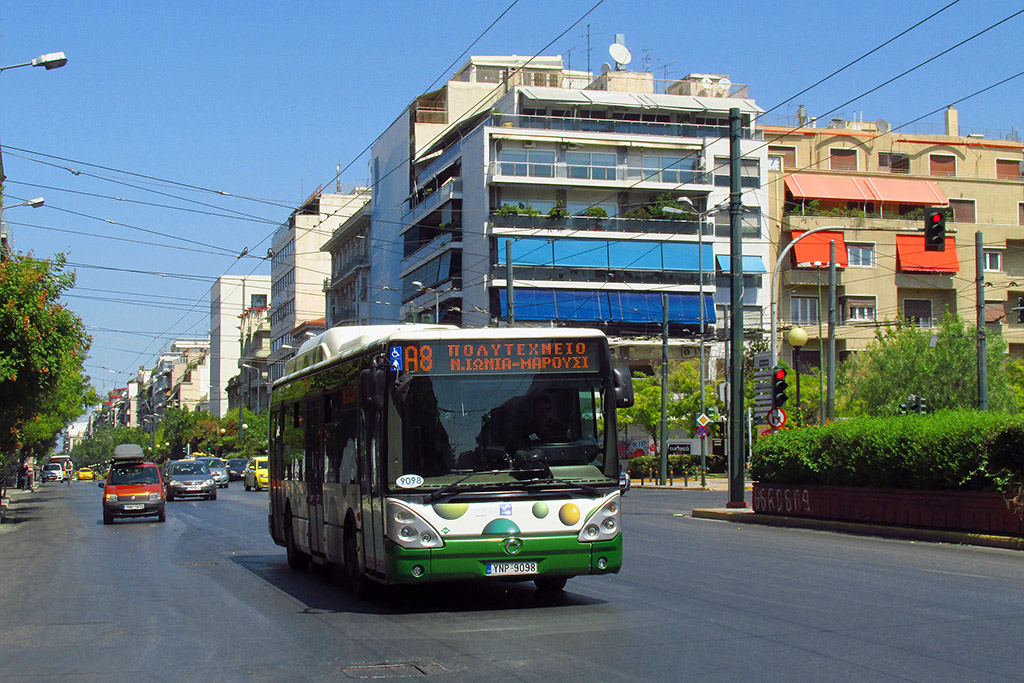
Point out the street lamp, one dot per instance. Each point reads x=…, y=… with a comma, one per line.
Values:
x=797, y=339
x=700, y=308
x=437, y=297
x=4, y=238
x=52, y=60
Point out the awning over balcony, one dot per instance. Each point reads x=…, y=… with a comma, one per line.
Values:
x=619, y=254
x=814, y=250
x=912, y=258
x=751, y=264
x=589, y=306
x=875, y=190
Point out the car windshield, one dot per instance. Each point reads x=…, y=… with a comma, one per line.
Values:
x=133, y=474
x=236, y=462
x=51, y=467
x=453, y=426
x=190, y=468
x=260, y=464
x=213, y=462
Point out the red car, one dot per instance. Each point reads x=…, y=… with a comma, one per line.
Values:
x=133, y=488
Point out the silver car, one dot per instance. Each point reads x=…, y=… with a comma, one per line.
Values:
x=219, y=470
x=190, y=478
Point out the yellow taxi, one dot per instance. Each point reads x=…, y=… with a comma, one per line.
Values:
x=256, y=475
x=86, y=473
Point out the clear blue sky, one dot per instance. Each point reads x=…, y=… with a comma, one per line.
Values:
x=263, y=100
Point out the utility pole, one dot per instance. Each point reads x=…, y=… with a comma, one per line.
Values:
x=831, y=400
x=510, y=317
x=664, y=390
x=979, y=281
x=736, y=472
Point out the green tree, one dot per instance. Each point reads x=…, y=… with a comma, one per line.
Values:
x=904, y=360
x=43, y=345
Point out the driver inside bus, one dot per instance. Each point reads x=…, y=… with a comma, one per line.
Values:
x=542, y=425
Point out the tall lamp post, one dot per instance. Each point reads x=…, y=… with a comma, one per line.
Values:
x=5, y=247
x=797, y=339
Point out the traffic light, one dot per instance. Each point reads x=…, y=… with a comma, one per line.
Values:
x=922, y=407
x=935, y=230
x=779, y=387
x=903, y=409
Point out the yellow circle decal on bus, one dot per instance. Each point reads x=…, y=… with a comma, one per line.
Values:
x=451, y=510
x=569, y=514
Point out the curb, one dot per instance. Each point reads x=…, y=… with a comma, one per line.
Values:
x=748, y=516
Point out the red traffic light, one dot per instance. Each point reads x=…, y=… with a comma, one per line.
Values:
x=780, y=373
x=936, y=216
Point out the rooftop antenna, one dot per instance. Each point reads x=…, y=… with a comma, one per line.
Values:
x=338, y=177
x=619, y=52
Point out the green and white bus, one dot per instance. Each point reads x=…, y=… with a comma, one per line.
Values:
x=407, y=454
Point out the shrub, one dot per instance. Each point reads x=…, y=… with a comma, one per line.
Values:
x=596, y=212
x=950, y=450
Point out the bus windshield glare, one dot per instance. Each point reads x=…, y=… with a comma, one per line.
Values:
x=455, y=425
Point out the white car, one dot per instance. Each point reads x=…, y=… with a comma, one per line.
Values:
x=52, y=471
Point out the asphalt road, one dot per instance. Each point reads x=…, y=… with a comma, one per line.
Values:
x=208, y=596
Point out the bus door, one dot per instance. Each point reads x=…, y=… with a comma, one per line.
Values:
x=371, y=505
x=276, y=449
x=315, y=475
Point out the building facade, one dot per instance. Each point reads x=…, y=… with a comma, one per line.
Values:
x=299, y=268
x=230, y=296
x=553, y=185
x=869, y=184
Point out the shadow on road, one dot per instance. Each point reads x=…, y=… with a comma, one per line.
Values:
x=318, y=590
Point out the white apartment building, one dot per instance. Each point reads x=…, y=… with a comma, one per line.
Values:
x=299, y=268
x=566, y=177
x=230, y=296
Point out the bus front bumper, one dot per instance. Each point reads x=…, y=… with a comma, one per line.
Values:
x=461, y=559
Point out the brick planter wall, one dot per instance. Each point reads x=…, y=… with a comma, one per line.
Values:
x=979, y=512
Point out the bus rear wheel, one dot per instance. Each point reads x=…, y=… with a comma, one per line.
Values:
x=297, y=559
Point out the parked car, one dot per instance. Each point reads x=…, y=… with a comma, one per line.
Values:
x=133, y=487
x=53, y=471
x=236, y=468
x=256, y=475
x=625, y=483
x=219, y=470
x=190, y=478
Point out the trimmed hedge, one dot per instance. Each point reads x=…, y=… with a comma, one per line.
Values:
x=950, y=450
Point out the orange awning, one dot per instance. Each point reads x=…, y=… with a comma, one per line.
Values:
x=855, y=189
x=814, y=250
x=912, y=258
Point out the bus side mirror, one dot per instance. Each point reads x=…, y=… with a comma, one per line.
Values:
x=623, y=386
x=371, y=388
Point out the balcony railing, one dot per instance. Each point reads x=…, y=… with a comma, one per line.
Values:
x=619, y=127
x=604, y=174
x=603, y=224
x=451, y=189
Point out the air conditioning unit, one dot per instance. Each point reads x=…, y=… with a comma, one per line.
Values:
x=529, y=143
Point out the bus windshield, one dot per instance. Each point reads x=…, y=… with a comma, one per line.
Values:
x=452, y=426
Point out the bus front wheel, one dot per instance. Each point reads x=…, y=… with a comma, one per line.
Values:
x=550, y=584
x=356, y=578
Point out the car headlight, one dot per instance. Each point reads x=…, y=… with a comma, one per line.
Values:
x=208, y=482
x=409, y=530
x=109, y=496
x=603, y=525
x=155, y=496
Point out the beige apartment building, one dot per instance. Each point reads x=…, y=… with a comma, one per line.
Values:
x=871, y=184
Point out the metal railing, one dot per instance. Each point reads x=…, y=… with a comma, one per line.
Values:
x=618, y=126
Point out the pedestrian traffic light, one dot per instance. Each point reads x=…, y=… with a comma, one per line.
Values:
x=779, y=387
x=922, y=406
x=903, y=409
x=935, y=230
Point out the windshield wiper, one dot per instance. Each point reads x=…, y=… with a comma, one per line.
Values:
x=453, y=487
x=585, y=488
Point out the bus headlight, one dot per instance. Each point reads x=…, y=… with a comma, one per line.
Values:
x=603, y=525
x=409, y=530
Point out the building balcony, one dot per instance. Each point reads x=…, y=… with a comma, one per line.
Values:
x=809, y=277
x=451, y=189
x=599, y=224
x=617, y=127
x=345, y=269
x=620, y=175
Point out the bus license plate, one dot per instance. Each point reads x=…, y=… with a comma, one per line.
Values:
x=134, y=506
x=511, y=568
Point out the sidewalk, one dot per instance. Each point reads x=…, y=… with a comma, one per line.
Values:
x=714, y=483
x=9, y=504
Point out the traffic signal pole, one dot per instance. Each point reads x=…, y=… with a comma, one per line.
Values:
x=830, y=413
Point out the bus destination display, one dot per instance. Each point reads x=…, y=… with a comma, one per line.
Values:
x=580, y=355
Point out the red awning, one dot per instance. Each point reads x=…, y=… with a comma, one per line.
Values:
x=855, y=189
x=814, y=250
x=912, y=258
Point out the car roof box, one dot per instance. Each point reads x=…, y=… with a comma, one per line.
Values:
x=128, y=451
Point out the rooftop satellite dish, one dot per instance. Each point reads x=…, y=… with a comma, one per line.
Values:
x=620, y=53
x=606, y=67
x=724, y=85
x=882, y=125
